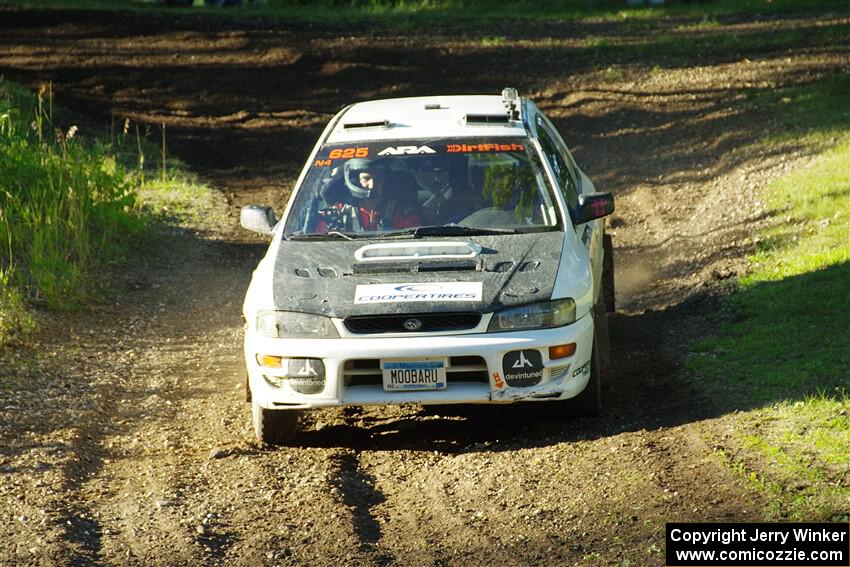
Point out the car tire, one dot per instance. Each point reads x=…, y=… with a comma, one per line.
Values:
x=589, y=402
x=274, y=427
x=608, y=273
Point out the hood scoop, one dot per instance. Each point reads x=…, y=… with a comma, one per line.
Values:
x=417, y=251
x=409, y=267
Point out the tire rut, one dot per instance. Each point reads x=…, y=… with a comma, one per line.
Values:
x=357, y=491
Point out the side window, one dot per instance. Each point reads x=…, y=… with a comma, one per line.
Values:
x=566, y=183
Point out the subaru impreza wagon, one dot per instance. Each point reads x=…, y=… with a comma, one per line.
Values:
x=435, y=250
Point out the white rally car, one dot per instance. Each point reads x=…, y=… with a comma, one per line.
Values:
x=473, y=273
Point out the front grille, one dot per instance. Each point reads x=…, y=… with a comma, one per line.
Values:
x=367, y=371
x=430, y=323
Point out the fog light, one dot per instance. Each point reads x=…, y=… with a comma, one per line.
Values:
x=562, y=351
x=306, y=375
x=270, y=361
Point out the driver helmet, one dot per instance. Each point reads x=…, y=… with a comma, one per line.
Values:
x=351, y=173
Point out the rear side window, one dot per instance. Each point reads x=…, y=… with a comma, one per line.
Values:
x=566, y=183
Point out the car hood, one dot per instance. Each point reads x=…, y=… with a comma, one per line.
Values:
x=332, y=278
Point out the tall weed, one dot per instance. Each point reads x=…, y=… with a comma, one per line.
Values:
x=66, y=208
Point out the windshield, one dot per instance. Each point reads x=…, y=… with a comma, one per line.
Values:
x=389, y=189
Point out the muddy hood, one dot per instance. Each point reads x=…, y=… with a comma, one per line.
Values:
x=335, y=279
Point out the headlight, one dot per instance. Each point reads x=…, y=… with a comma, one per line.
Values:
x=289, y=324
x=546, y=314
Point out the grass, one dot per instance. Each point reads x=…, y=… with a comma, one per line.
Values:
x=398, y=11
x=70, y=208
x=66, y=207
x=786, y=348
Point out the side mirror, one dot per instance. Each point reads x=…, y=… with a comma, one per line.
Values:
x=592, y=206
x=258, y=218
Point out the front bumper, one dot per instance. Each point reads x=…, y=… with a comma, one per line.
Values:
x=474, y=362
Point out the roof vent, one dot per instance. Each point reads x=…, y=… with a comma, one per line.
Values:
x=479, y=119
x=357, y=125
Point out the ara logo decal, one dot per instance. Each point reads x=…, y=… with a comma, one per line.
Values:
x=406, y=151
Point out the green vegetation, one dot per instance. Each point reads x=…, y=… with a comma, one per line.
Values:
x=66, y=208
x=815, y=115
x=70, y=208
x=398, y=10
x=787, y=347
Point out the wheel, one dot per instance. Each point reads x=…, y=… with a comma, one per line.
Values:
x=274, y=427
x=608, y=273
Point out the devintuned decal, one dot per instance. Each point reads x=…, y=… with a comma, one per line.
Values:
x=406, y=151
x=498, y=380
x=434, y=291
x=523, y=368
x=582, y=369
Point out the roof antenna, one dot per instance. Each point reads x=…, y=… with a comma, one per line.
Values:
x=510, y=99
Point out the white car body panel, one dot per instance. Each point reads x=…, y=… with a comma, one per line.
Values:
x=490, y=346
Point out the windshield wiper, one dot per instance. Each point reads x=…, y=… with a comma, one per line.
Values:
x=323, y=236
x=446, y=230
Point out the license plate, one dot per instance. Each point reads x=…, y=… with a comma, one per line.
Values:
x=404, y=375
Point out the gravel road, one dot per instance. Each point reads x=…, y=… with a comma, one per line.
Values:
x=124, y=437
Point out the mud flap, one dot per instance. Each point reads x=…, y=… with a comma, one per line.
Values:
x=608, y=273
x=247, y=383
x=600, y=339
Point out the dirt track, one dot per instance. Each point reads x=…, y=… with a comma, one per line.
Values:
x=125, y=439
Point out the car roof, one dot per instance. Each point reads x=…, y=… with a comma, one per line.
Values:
x=448, y=116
